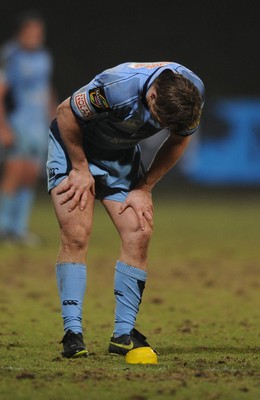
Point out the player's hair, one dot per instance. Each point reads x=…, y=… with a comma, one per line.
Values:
x=178, y=102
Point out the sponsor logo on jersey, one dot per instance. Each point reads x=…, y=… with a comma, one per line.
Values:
x=82, y=105
x=149, y=65
x=98, y=99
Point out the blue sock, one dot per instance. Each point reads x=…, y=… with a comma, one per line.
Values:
x=129, y=286
x=7, y=206
x=71, y=280
x=23, y=205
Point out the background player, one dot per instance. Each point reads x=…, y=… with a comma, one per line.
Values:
x=26, y=105
x=94, y=152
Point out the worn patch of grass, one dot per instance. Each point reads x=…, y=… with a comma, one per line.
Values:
x=200, y=309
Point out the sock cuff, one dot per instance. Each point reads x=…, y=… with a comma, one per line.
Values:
x=71, y=268
x=133, y=272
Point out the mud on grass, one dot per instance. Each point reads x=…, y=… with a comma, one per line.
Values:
x=200, y=309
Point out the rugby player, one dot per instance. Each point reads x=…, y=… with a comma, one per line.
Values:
x=26, y=109
x=94, y=153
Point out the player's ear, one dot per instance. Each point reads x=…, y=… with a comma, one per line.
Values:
x=153, y=92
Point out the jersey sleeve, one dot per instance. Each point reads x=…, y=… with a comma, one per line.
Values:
x=110, y=90
x=88, y=101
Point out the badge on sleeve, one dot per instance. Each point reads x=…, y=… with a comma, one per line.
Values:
x=98, y=99
x=82, y=105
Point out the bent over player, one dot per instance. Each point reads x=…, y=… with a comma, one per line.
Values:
x=94, y=153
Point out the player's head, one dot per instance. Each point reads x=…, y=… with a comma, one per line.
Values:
x=30, y=30
x=175, y=101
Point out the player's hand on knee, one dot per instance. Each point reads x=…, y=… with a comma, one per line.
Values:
x=75, y=189
x=141, y=202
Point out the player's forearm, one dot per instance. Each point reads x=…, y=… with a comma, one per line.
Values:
x=167, y=156
x=72, y=136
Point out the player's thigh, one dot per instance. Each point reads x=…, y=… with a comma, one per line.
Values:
x=77, y=224
x=127, y=223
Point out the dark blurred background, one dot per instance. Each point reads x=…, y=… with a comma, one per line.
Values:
x=218, y=40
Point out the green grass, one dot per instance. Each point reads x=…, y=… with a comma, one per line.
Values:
x=200, y=310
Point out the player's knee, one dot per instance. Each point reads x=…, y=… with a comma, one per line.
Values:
x=138, y=237
x=75, y=238
x=145, y=236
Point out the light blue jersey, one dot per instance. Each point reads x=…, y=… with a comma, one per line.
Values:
x=113, y=108
x=114, y=116
x=27, y=75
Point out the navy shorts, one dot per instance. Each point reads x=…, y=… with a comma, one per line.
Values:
x=116, y=172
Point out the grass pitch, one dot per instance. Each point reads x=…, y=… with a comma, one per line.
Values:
x=200, y=310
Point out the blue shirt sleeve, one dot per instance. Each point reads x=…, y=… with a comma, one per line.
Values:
x=112, y=89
